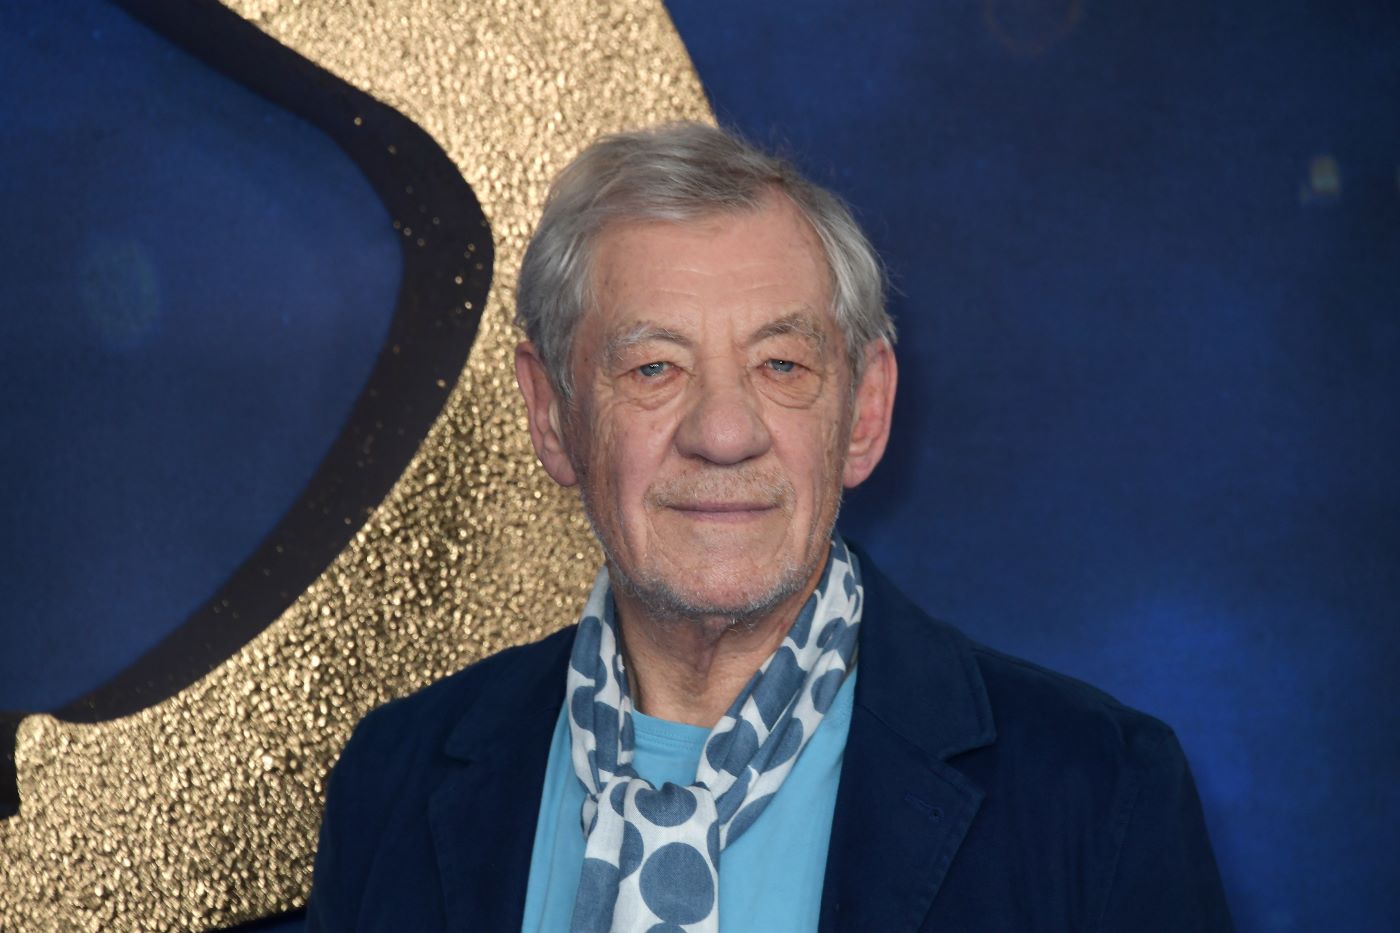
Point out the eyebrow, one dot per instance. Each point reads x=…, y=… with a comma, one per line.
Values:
x=643, y=332
x=799, y=323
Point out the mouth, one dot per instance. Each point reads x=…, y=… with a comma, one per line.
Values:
x=723, y=511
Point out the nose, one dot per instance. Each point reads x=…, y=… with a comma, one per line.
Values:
x=724, y=423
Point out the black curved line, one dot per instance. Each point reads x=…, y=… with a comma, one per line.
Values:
x=435, y=321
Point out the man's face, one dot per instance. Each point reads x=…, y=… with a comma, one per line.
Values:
x=712, y=417
x=712, y=408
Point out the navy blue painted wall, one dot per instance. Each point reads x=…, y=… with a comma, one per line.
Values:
x=1148, y=260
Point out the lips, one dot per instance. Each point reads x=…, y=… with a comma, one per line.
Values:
x=722, y=511
x=725, y=516
x=722, y=506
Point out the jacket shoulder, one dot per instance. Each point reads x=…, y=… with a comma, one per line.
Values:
x=423, y=721
x=1030, y=701
x=377, y=798
x=1085, y=774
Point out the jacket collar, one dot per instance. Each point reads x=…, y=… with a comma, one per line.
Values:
x=527, y=683
x=918, y=675
x=482, y=814
x=902, y=810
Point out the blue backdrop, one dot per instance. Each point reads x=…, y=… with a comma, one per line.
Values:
x=1148, y=262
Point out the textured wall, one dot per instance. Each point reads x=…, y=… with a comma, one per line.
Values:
x=202, y=809
x=1148, y=258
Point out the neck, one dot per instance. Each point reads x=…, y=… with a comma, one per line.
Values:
x=688, y=669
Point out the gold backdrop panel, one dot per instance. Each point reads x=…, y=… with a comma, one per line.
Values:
x=203, y=811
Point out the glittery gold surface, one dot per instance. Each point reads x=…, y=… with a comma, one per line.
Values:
x=203, y=811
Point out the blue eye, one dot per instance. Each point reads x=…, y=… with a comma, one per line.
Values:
x=650, y=370
x=781, y=366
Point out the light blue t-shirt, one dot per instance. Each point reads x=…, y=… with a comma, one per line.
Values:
x=770, y=879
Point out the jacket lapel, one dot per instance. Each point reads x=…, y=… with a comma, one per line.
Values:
x=902, y=811
x=483, y=813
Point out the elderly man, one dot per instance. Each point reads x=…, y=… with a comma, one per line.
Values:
x=749, y=728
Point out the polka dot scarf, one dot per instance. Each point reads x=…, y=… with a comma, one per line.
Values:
x=651, y=861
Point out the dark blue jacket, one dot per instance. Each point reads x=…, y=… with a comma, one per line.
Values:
x=978, y=792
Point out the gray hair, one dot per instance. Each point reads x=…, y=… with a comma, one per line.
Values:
x=675, y=173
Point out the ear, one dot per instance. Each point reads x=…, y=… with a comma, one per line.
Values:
x=874, y=406
x=542, y=410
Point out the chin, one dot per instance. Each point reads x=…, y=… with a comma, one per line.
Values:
x=712, y=592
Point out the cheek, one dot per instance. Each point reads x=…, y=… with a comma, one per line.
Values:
x=629, y=451
x=813, y=454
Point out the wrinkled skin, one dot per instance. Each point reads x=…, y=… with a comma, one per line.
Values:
x=713, y=426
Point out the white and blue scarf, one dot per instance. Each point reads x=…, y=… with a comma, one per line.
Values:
x=651, y=860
